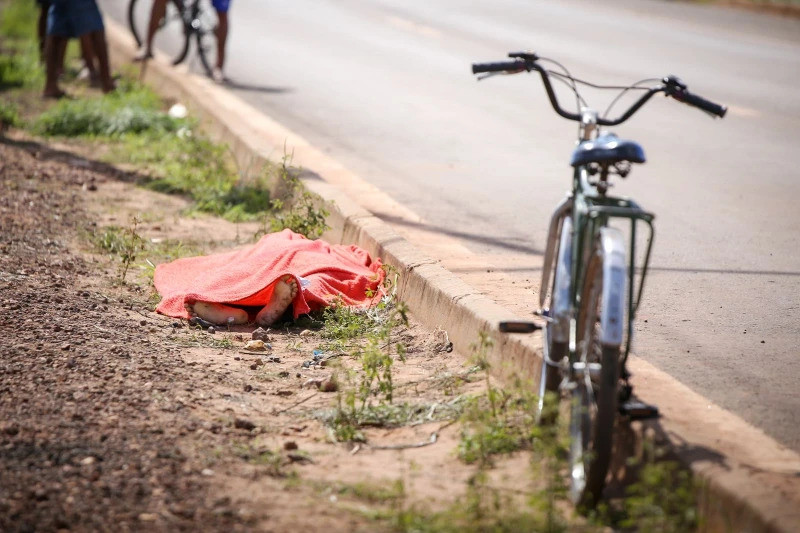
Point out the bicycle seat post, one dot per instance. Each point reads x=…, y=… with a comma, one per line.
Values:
x=588, y=123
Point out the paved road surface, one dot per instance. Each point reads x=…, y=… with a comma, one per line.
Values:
x=384, y=86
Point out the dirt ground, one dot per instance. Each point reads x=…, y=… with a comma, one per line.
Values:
x=115, y=418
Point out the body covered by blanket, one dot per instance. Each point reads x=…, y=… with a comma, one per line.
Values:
x=247, y=277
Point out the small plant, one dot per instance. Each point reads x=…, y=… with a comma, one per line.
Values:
x=483, y=508
x=662, y=500
x=20, y=65
x=19, y=19
x=274, y=462
x=298, y=210
x=113, y=115
x=124, y=243
x=376, y=351
x=376, y=493
x=9, y=116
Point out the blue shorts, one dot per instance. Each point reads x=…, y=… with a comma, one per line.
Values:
x=221, y=5
x=73, y=18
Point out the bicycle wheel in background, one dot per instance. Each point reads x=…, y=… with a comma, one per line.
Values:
x=594, y=399
x=170, y=38
x=205, y=30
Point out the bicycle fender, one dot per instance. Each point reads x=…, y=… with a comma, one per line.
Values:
x=561, y=303
x=614, y=284
x=556, y=226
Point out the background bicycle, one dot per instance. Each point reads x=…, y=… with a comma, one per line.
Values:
x=185, y=23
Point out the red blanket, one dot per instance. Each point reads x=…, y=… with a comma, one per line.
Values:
x=246, y=277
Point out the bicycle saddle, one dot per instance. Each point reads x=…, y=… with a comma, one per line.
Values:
x=607, y=149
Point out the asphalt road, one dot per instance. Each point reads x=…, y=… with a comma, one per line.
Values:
x=385, y=88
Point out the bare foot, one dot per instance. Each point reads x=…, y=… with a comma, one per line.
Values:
x=54, y=93
x=108, y=85
x=219, y=314
x=282, y=296
x=142, y=54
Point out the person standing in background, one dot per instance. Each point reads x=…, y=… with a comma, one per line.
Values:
x=221, y=7
x=157, y=13
x=80, y=19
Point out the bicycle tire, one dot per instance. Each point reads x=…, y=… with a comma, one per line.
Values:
x=133, y=23
x=206, y=38
x=555, y=350
x=171, y=37
x=594, y=398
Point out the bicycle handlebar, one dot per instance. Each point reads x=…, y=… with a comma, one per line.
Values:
x=672, y=86
x=500, y=66
x=677, y=89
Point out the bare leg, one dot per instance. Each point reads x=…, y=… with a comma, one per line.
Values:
x=62, y=53
x=98, y=42
x=42, y=31
x=282, y=296
x=54, y=52
x=88, y=55
x=156, y=15
x=215, y=313
x=222, y=38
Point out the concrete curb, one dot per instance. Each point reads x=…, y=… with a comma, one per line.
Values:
x=742, y=490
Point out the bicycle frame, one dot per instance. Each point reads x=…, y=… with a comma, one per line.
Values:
x=590, y=209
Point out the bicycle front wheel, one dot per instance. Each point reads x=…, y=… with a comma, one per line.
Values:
x=556, y=331
x=596, y=375
x=170, y=37
x=206, y=32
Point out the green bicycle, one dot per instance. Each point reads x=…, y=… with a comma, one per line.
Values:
x=587, y=298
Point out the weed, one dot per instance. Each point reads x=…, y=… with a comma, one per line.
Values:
x=193, y=166
x=274, y=462
x=20, y=68
x=482, y=508
x=375, y=493
x=9, y=115
x=376, y=351
x=171, y=249
x=662, y=500
x=19, y=19
x=348, y=419
x=298, y=209
x=124, y=243
x=223, y=343
x=129, y=109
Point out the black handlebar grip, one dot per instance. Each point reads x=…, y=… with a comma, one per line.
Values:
x=700, y=102
x=500, y=66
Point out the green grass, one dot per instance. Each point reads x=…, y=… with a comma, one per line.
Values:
x=298, y=209
x=18, y=18
x=9, y=115
x=125, y=244
x=482, y=509
x=20, y=66
x=131, y=109
x=171, y=155
x=372, y=492
x=20, y=69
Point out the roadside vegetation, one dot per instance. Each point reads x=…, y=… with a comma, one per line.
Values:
x=495, y=425
x=134, y=127
x=165, y=151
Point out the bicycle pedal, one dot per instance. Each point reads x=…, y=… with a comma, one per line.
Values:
x=518, y=327
x=638, y=410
